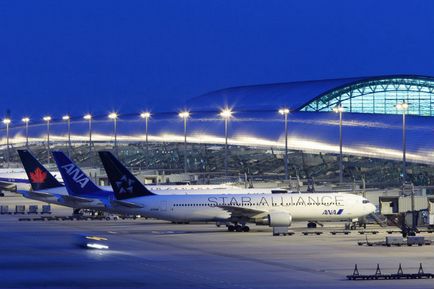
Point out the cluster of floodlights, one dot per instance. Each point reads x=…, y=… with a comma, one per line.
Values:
x=226, y=114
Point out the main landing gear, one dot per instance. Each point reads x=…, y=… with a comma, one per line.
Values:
x=238, y=228
x=311, y=225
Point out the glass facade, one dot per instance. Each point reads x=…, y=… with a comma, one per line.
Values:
x=380, y=96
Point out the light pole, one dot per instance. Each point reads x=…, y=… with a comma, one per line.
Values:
x=7, y=121
x=67, y=118
x=114, y=117
x=88, y=117
x=185, y=115
x=340, y=109
x=146, y=115
x=48, y=119
x=285, y=112
x=26, y=121
x=403, y=106
x=226, y=114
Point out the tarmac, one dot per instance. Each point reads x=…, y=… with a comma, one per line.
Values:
x=157, y=254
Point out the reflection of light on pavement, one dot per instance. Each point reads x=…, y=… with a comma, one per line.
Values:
x=101, y=254
x=96, y=246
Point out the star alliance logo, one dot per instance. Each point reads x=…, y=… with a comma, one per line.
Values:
x=125, y=185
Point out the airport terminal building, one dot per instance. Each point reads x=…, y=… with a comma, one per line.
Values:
x=372, y=123
x=372, y=126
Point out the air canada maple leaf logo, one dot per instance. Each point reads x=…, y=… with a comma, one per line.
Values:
x=38, y=176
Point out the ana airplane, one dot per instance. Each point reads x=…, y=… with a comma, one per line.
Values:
x=83, y=193
x=236, y=210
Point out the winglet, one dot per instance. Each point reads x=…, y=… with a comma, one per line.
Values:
x=76, y=181
x=125, y=185
x=40, y=178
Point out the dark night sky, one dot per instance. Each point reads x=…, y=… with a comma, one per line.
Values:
x=79, y=56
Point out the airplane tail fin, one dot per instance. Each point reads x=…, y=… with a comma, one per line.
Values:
x=40, y=178
x=125, y=185
x=76, y=181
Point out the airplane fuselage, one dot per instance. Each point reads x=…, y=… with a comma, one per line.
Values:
x=330, y=207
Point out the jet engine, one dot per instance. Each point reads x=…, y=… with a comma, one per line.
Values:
x=279, y=219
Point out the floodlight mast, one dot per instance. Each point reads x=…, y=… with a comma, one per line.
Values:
x=146, y=115
x=340, y=109
x=185, y=115
x=67, y=118
x=7, y=121
x=114, y=116
x=226, y=114
x=26, y=121
x=47, y=119
x=285, y=112
x=403, y=107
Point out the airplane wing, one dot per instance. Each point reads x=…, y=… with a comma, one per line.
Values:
x=118, y=203
x=238, y=212
x=35, y=194
x=80, y=201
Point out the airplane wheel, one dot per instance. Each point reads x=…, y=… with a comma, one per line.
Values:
x=246, y=229
x=238, y=228
x=231, y=228
x=311, y=225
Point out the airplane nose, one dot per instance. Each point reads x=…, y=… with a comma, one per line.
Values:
x=372, y=208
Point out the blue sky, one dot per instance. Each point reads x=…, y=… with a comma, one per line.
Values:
x=97, y=56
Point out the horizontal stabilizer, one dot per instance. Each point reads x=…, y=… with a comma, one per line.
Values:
x=80, y=201
x=117, y=203
x=6, y=186
x=34, y=195
x=39, y=194
x=76, y=199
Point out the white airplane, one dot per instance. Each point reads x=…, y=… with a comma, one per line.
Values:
x=17, y=179
x=22, y=179
x=47, y=188
x=236, y=209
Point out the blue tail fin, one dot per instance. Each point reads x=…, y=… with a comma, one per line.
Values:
x=40, y=178
x=76, y=181
x=125, y=185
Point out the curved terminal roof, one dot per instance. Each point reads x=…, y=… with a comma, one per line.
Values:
x=267, y=96
x=378, y=95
